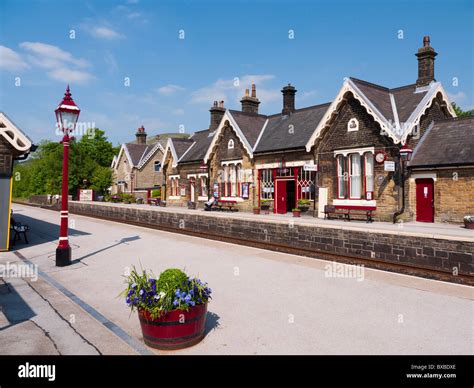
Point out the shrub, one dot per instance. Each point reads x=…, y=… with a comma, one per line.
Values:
x=156, y=193
x=295, y=209
x=172, y=291
x=304, y=202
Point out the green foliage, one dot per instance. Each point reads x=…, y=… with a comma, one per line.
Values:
x=304, y=202
x=156, y=193
x=89, y=159
x=173, y=290
x=295, y=210
x=126, y=197
x=460, y=112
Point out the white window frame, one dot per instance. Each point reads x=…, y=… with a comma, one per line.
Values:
x=356, y=128
x=369, y=173
x=154, y=166
x=353, y=177
x=341, y=174
x=230, y=144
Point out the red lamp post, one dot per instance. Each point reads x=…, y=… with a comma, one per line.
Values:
x=67, y=114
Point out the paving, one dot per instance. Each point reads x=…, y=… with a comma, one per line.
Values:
x=263, y=302
x=420, y=229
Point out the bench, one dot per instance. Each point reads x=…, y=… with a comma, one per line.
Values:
x=154, y=201
x=348, y=213
x=225, y=204
x=18, y=229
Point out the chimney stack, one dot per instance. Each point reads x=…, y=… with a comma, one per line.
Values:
x=217, y=112
x=141, y=135
x=289, y=92
x=250, y=103
x=426, y=57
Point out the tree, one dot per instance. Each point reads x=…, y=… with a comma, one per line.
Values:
x=101, y=179
x=460, y=112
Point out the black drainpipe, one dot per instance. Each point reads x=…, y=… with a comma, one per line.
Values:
x=402, y=183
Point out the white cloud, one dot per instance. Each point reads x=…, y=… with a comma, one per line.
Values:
x=60, y=64
x=134, y=15
x=170, y=89
x=111, y=62
x=232, y=90
x=457, y=97
x=178, y=112
x=105, y=33
x=49, y=56
x=11, y=60
x=70, y=75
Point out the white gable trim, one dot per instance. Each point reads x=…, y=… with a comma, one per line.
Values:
x=14, y=135
x=123, y=148
x=426, y=102
x=349, y=86
x=148, y=156
x=238, y=132
x=170, y=147
x=185, y=152
x=260, y=135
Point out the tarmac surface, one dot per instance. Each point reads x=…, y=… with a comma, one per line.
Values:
x=263, y=302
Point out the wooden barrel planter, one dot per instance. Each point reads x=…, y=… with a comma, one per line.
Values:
x=176, y=329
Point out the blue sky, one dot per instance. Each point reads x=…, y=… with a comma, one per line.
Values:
x=173, y=81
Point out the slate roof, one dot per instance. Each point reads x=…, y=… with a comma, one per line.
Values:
x=407, y=98
x=201, y=142
x=137, y=151
x=181, y=145
x=292, y=131
x=251, y=124
x=447, y=142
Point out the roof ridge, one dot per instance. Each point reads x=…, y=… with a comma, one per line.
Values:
x=302, y=109
x=403, y=87
x=248, y=113
x=369, y=83
x=454, y=118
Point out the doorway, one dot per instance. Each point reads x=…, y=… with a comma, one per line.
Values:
x=290, y=195
x=285, y=195
x=425, y=200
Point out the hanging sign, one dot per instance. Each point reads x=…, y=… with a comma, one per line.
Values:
x=389, y=165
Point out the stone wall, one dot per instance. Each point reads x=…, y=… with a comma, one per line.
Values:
x=428, y=253
x=453, y=194
x=147, y=177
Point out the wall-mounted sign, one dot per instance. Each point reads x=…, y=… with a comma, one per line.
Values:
x=310, y=167
x=86, y=195
x=389, y=165
x=245, y=190
x=380, y=157
x=183, y=191
x=216, y=190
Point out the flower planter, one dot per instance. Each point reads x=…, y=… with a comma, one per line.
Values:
x=303, y=209
x=256, y=211
x=296, y=213
x=176, y=329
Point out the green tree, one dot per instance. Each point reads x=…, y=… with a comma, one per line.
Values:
x=101, y=179
x=460, y=112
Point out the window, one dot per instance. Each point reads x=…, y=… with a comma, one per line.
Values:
x=354, y=177
x=306, y=187
x=203, y=186
x=157, y=166
x=230, y=144
x=341, y=177
x=369, y=174
x=353, y=125
x=266, y=184
x=174, y=187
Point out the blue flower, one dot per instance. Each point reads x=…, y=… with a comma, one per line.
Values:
x=152, y=281
x=142, y=291
x=192, y=303
x=175, y=302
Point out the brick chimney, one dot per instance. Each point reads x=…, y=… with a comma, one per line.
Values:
x=217, y=112
x=250, y=103
x=141, y=135
x=426, y=57
x=289, y=92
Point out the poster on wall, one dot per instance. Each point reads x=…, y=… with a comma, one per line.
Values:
x=86, y=195
x=245, y=190
x=183, y=191
x=216, y=190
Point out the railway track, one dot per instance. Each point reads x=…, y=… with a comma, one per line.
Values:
x=404, y=268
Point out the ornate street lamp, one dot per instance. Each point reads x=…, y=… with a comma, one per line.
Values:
x=405, y=153
x=67, y=114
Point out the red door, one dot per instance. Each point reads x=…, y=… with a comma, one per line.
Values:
x=280, y=199
x=425, y=200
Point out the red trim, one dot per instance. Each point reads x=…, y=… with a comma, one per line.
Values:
x=259, y=172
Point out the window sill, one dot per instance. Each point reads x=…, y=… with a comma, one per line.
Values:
x=174, y=197
x=202, y=198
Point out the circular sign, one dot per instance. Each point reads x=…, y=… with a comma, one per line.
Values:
x=380, y=157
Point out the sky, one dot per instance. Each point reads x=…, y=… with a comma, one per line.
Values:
x=161, y=64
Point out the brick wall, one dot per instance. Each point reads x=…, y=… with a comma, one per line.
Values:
x=147, y=177
x=439, y=254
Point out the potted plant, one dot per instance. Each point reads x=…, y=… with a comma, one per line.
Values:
x=265, y=205
x=296, y=212
x=172, y=309
x=256, y=210
x=128, y=198
x=304, y=204
x=469, y=222
x=115, y=198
